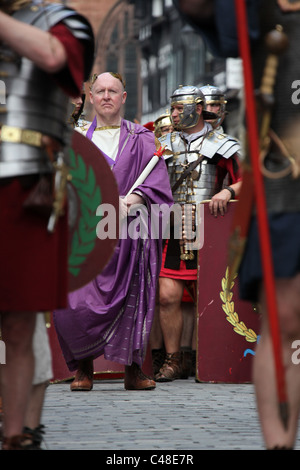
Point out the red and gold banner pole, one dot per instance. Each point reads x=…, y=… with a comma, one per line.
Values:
x=261, y=209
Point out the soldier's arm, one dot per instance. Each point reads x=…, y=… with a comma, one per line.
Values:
x=46, y=51
x=218, y=203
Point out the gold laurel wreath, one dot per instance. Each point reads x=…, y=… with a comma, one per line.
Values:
x=231, y=316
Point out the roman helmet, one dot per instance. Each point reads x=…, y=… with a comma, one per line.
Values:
x=190, y=97
x=164, y=120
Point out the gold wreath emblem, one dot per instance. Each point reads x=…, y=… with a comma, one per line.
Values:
x=231, y=316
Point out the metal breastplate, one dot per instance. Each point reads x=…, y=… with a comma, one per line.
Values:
x=201, y=183
x=34, y=102
x=194, y=188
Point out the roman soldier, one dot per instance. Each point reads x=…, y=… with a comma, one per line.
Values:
x=204, y=164
x=39, y=81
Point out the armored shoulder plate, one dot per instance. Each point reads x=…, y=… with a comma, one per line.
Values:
x=214, y=143
x=171, y=142
x=221, y=144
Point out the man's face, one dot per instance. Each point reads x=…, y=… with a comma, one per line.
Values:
x=214, y=108
x=166, y=129
x=107, y=95
x=176, y=113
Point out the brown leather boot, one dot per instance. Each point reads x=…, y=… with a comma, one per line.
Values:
x=171, y=368
x=135, y=379
x=83, y=381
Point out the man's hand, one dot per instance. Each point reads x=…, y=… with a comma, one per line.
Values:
x=218, y=203
x=127, y=202
x=122, y=207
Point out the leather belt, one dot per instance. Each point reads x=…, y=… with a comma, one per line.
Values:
x=186, y=172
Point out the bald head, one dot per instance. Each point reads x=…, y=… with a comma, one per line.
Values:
x=107, y=75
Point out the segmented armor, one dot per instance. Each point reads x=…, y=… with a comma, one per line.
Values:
x=200, y=183
x=35, y=106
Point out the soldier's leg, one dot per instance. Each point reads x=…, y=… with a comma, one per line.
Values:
x=288, y=299
x=16, y=375
x=171, y=320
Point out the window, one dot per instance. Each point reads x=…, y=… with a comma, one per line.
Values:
x=157, y=8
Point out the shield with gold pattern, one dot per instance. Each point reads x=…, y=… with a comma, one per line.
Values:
x=92, y=185
x=227, y=327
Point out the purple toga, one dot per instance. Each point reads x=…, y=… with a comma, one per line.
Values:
x=112, y=315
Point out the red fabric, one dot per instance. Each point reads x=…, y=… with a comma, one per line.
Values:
x=182, y=273
x=33, y=275
x=149, y=125
x=186, y=297
x=70, y=79
x=230, y=166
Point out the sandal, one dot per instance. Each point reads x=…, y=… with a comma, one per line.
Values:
x=36, y=436
x=171, y=369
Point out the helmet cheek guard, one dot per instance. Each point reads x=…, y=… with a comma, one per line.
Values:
x=189, y=116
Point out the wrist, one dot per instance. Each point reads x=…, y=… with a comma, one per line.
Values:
x=231, y=190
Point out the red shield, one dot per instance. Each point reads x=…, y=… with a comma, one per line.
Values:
x=227, y=326
x=92, y=184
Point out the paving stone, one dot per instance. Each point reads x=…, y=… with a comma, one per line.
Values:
x=177, y=416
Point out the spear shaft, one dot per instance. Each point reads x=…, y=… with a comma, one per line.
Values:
x=262, y=217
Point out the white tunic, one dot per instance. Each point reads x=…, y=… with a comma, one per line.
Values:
x=106, y=139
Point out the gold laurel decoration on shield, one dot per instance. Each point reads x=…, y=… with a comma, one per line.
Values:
x=231, y=316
